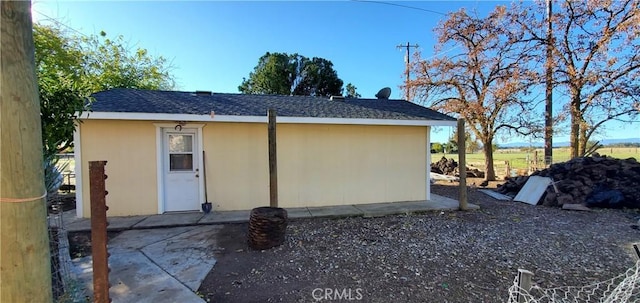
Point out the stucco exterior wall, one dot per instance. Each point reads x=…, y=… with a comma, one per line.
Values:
x=350, y=164
x=237, y=162
x=129, y=147
x=318, y=165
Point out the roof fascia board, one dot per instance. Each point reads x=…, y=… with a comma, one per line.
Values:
x=258, y=119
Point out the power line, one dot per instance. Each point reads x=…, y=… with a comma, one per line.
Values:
x=401, y=5
x=54, y=20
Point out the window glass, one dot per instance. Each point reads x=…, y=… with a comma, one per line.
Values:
x=181, y=162
x=180, y=143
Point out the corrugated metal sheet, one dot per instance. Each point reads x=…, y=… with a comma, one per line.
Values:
x=533, y=190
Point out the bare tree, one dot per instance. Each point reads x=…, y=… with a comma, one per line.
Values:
x=482, y=76
x=596, y=50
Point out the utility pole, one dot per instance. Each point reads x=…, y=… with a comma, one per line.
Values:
x=408, y=46
x=25, y=270
x=548, y=109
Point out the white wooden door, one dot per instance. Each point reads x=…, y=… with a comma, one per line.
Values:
x=181, y=171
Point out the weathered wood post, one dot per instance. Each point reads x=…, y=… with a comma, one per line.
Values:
x=273, y=160
x=462, y=166
x=524, y=284
x=268, y=225
x=99, y=253
x=25, y=264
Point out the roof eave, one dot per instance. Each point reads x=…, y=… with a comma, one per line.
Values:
x=259, y=119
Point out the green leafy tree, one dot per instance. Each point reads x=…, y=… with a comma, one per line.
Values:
x=351, y=91
x=436, y=147
x=71, y=68
x=292, y=74
x=109, y=64
x=62, y=86
x=449, y=147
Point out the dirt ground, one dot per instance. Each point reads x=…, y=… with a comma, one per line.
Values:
x=450, y=256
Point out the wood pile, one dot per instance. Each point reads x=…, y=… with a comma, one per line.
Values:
x=449, y=167
x=597, y=181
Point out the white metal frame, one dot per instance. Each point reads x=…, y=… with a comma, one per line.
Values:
x=428, y=164
x=160, y=127
x=77, y=158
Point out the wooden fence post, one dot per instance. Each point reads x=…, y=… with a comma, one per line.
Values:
x=25, y=264
x=462, y=166
x=273, y=160
x=524, y=284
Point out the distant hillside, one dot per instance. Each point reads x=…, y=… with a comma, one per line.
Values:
x=604, y=142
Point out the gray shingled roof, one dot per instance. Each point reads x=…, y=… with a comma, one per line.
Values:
x=173, y=102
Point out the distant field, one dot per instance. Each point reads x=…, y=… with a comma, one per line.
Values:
x=518, y=159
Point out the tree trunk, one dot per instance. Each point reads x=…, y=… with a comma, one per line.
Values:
x=487, y=149
x=582, y=140
x=25, y=272
x=576, y=117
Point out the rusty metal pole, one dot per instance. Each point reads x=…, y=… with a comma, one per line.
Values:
x=99, y=224
x=462, y=165
x=273, y=160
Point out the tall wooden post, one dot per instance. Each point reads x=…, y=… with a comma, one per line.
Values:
x=462, y=165
x=548, y=109
x=25, y=264
x=273, y=160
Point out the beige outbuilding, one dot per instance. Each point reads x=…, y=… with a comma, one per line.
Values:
x=331, y=151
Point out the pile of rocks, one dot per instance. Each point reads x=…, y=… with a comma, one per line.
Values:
x=450, y=167
x=598, y=181
x=445, y=166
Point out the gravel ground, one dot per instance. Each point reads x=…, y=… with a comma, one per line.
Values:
x=450, y=256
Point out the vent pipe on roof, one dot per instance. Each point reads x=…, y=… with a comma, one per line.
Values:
x=203, y=93
x=336, y=98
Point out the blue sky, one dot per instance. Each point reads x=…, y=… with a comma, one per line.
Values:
x=212, y=45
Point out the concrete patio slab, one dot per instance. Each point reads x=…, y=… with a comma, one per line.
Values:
x=234, y=216
x=298, y=212
x=335, y=211
x=132, y=240
x=120, y=223
x=79, y=225
x=189, y=256
x=136, y=281
x=443, y=203
x=134, y=278
x=384, y=209
x=156, y=265
x=172, y=219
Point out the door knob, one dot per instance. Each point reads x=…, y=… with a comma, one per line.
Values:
x=197, y=176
